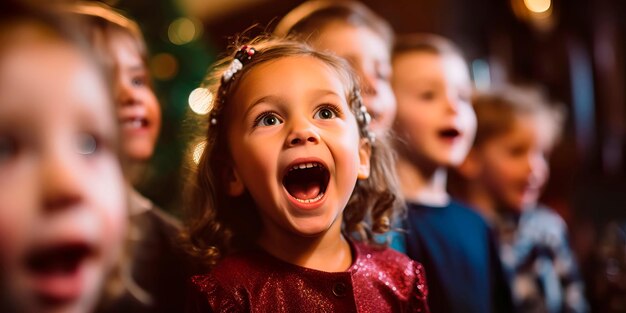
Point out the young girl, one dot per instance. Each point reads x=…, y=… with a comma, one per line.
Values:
x=503, y=177
x=290, y=168
x=158, y=266
x=353, y=32
x=62, y=199
x=435, y=126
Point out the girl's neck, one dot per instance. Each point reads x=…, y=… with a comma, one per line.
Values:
x=423, y=184
x=328, y=252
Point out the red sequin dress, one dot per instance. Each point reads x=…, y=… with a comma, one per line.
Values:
x=379, y=280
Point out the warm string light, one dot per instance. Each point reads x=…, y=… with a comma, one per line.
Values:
x=538, y=6
x=201, y=101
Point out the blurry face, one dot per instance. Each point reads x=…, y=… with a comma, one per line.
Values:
x=368, y=55
x=434, y=116
x=514, y=166
x=138, y=108
x=62, y=208
x=295, y=145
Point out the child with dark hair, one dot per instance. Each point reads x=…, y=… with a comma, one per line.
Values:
x=290, y=171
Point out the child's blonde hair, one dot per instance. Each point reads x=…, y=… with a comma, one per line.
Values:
x=101, y=24
x=425, y=42
x=306, y=20
x=219, y=224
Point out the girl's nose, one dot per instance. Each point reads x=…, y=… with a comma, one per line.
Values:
x=452, y=103
x=302, y=135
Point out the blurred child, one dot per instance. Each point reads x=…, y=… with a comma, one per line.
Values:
x=158, y=265
x=62, y=199
x=353, y=32
x=289, y=169
x=505, y=172
x=435, y=125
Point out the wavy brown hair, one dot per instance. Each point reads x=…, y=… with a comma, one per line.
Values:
x=218, y=224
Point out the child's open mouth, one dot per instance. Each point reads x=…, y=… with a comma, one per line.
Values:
x=307, y=182
x=449, y=133
x=134, y=123
x=56, y=270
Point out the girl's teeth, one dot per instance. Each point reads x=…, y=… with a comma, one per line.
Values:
x=304, y=165
x=133, y=124
x=311, y=200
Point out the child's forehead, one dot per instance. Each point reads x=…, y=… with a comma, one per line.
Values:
x=293, y=70
x=48, y=80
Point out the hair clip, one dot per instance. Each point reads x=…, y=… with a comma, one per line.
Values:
x=242, y=57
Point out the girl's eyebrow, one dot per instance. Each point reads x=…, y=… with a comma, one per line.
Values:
x=269, y=98
x=318, y=93
x=137, y=68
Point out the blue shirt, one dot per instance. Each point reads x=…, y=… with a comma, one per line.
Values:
x=458, y=252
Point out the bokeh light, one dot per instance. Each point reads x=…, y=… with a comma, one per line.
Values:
x=164, y=66
x=538, y=6
x=184, y=30
x=201, y=101
x=197, y=151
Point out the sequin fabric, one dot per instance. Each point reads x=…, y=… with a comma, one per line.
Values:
x=379, y=280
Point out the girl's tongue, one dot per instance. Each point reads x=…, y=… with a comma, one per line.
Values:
x=306, y=182
x=304, y=190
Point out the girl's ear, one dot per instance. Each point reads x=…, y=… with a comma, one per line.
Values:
x=365, y=153
x=472, y=165
x=233, y=181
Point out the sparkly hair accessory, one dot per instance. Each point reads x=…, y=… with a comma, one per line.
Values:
x=364, y=117
x=243, y=56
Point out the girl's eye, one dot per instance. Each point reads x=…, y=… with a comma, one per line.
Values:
x=8, y=148
x=328, y=111
x=138, y=81
x=86, y=144
x=267, y=119
x=517, y=151
x=325, y=114
x=428, y=95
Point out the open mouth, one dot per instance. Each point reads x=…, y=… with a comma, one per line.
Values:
x=449, y=133
x=307, y=182
x=57, y=260
x=135, y=123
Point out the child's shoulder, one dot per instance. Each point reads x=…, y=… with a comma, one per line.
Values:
x=404, y=276
x=231, y=270
x=386, y=258
x=466, y=213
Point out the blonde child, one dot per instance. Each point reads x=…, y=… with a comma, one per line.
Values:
x=353, y=32
x=158, y=266
x=435, y=126
x=504, y=174
x=62, y=200
x=289, y=169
